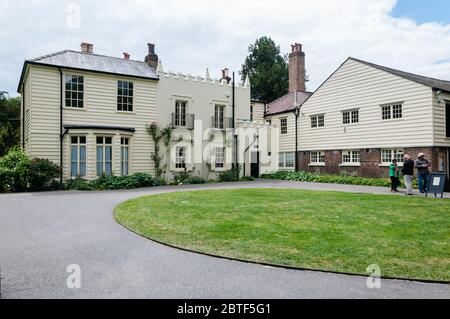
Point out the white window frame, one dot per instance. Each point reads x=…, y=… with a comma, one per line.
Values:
x=219, y=116
x=70, y=93
x=316, y=120
x=180, y=160
x=283, y=125
x=78, y=145
x=104, y=161
x=219, y=156
x=351, y=157
x=387, y=155
x=317, y=157
x=283, y=160
x=181, y=113
x=124, y=156
x=393, y=111
x=126, y=100
x=350, y=116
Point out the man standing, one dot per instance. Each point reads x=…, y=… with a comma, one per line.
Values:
x=423, y=173
x=408, y=173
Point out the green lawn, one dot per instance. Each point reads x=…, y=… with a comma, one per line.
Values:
x=406, y=236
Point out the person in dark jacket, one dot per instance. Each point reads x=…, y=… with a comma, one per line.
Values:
x=408, y=173
x=423, y=174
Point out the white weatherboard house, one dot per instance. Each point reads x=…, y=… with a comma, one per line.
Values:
x=89, y=113
x=360, y=118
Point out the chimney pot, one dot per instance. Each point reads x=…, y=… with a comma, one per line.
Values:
x=87, y=47
x=151, y=48
x=126, y=56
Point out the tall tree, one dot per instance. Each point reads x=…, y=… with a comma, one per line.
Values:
x=9, y=122
x=267, y=69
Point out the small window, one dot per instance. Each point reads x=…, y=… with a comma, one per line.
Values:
x=318, y=120
x=220, y=157
x=350, y=116
x=78, y=156
x=125, y=96
x=393, y=111
x=124, y=156
x=74, y=92
x=104, y=156
x=180, y=113
x=286, y=160
x=352, y=156
x=283, y=125
x=317, y=157
x=180, y=158
x=219, y=116
x=388, y=155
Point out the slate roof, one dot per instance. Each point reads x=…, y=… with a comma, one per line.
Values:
x=94, y=62
x=427, y=81
x=287, y=102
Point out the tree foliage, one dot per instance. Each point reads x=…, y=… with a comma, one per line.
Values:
x=9, y=122
x=267, y=69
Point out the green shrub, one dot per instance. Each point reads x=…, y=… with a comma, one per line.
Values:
x=79, y=184
x=194, y=180
x=42, y=174
x=230, y=176
x=14, y=169
x=180, y=178
x=247, y=178
x=325, y=178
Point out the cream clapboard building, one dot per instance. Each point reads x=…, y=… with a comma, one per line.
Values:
x=360, y=118
x=89, y=113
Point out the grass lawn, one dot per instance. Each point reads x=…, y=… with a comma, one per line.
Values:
x=406, y=236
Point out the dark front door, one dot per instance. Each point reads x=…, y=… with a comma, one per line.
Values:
x=254, y=166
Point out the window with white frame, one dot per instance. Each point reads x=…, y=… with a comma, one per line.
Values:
x=125, y=96
x=104, y=155
x=350, y=156
x=286, y=160
x=124, y=155
x=220, y=157
x=283, y=125
x=78, y=156
x=317, y=157
x=318, y=120
x=392, y=111
x=74, y=92
x=180, y=157
x=387, y=155
x=350, y=116
x=219, y=116
x=180, y=113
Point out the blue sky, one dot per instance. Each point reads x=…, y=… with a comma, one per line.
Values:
x=423, y=11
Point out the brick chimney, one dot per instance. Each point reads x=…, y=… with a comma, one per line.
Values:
x=87, y=48
x=225, y=75
x=152, y=58
x=126, y=56
x=297, y=69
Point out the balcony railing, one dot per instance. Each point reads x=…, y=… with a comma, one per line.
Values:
x=221, y=122
x=183, y=120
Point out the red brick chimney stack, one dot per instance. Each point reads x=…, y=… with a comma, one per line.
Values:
x=152, y=58
x=87, y=48
x=297, y=69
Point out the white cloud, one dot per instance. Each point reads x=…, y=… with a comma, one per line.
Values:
x=192, y=35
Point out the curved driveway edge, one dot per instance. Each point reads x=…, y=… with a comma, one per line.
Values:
x=42, y=233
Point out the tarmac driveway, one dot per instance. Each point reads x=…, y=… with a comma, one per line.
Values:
x=42, y=233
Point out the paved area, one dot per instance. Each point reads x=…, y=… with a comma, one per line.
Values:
x=42, y=233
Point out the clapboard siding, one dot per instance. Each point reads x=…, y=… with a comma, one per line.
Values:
x=258, y=111
x=286, y=142
x=100, y=109
x=356, y=85
x=439, y=128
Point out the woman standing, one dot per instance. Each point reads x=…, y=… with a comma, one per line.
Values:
x=393, y=174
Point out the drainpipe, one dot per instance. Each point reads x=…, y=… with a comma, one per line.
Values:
x=61, y=133
x=233, y=106
x=23, y=114
x=296, y=113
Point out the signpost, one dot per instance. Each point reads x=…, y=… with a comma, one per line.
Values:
x=436, y=184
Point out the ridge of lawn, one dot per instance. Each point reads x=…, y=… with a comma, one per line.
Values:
x=408, y=237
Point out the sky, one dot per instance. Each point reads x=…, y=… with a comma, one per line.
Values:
x=192, y=35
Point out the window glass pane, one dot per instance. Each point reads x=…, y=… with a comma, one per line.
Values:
x=82, y=169
x=108, y=140
x=99, y=153
x=108, y=168
x=74, y=154
x=281, y=160
x=99, y=140
x=108, y=155
x=73, y=169
x=82, y=139
x=289, y=159
x=82, y=153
